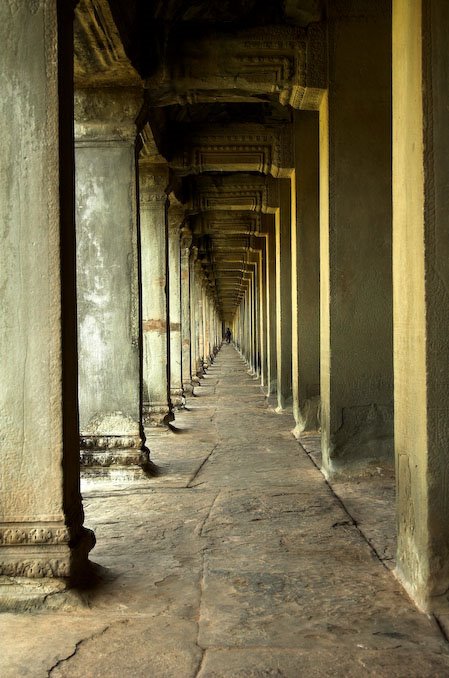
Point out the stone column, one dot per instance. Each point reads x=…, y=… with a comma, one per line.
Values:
x=283, y=297
x=41, y=516
x=175, y=219
x=256, y=313
x=205, y=319
x=199, y=318
x=263, y=314
x=156, y=360
x=253, y=312
x=107, y=281
x=355, y=213
x=306, y=275
x=421, y=297
x=246, y=326
x=271, y=388
x=194, y=321
x=186, y=333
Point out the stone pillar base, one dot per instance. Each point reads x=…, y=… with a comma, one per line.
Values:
x=36, y=563
x=177, y=398
x=187, y=387
x=106, y=451
x=308, y=418
x=44, y=550
x=201, y=368
x=157, y=416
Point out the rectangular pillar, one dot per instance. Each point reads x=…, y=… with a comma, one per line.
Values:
x=263, y=313
x=421, y=297
x=41, y=515
x=271, y=389
x=356, y=288
x=283, y=218
x=306, y=275
x=175, y=219
x=186, y=331
x=107, y=280
x=156, y=357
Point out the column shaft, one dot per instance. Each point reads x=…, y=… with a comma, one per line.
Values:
x=306, y=275
x=356, y=294
x=186, y=329
x=284, y=297
x=107, y=281
x=421, y=297
x=156, y=358
x=176, y=216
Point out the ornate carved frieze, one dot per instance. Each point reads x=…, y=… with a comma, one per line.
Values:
x=42, y=549
x=40, y=533
x=35, y=568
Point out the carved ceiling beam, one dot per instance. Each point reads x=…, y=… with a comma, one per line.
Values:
x=262, y=63
x=220, y=222
x=233, y=192
x=235, y=148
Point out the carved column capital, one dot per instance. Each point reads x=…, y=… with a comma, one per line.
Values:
x=186, y=240
x=153, y=181
x=107, y=113
x=176, y=216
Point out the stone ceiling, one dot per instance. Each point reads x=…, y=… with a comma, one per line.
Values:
x=220, y=79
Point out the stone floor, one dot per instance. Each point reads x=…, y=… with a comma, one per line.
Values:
x=239, y=560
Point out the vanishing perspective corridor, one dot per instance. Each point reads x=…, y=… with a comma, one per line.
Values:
x=238, y=560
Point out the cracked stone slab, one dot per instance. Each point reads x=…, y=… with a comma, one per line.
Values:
x=319, y=660
x=138, y=648
x=31, y=644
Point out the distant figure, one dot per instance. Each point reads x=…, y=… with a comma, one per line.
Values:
x=228, y=335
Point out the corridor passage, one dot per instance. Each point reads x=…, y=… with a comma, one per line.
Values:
x=238, y=560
